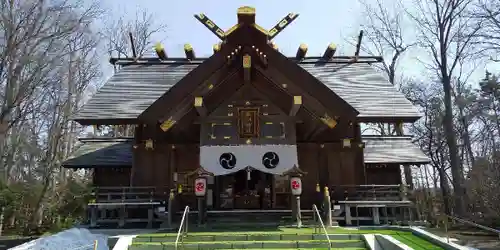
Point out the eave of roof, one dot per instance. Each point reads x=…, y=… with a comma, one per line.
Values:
x=101, y=152
x=117, y=152
x=392, y=149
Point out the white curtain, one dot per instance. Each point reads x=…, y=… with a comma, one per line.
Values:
x=248, y=156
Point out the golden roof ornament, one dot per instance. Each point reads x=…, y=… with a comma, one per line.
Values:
x=149, y=144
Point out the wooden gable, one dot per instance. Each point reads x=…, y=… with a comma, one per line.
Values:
x=247, y=53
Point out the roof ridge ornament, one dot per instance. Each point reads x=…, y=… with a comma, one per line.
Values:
x=246, y=16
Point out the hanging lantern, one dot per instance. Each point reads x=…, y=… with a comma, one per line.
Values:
x=249, y=172
x=200, y=186
x=296, y=185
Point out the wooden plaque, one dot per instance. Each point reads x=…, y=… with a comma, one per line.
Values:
x=248, y=122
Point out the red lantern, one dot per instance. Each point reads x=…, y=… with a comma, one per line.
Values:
x=296, y=185
x=200, y=186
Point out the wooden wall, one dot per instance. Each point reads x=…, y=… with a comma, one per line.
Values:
x=111, y=177
x=157, y=167
x=383, y=174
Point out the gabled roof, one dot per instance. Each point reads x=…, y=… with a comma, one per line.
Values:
x=393, y=149
x=364, y=88
x=135, y=87
x=131, y=91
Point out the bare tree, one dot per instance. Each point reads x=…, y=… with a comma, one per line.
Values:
x=143, y=29
x=448, y=32
x=39, y=89
x=489, y=14
x=384, y=32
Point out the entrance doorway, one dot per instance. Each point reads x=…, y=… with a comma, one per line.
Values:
x=243, y=190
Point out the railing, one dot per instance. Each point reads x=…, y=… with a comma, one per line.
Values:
x=366, y=192
x=470, y=223
x=184, y=221
x=318, y=215
x=123, y=194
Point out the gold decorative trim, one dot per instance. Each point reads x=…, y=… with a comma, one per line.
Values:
x=232, y=29
x=168, y=124
x=246, y=10
x=247, y=61
x=330, y=122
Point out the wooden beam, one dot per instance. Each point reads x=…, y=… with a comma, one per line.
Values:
x=330, y=51
x=132, y=44
x=301, y=52
x=297, y=102
x=247, y=65
x=188, y=50
x=180, y=111
x=160, y=51
x=312, y=104
x=211, y=26
x=358, y=45
x=282, y=25
x=200, y=107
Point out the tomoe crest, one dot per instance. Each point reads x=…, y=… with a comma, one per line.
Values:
x=227, y=160
x=270, y=160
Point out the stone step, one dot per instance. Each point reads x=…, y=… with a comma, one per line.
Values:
x=249, y=244
x=246, y=237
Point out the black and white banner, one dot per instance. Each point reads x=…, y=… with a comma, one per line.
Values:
x=273, y=159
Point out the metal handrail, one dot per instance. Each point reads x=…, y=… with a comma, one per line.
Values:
x=316, y=211
x=184, y=220
x=469, y=223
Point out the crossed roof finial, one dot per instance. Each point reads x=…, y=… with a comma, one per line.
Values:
x=246, y=15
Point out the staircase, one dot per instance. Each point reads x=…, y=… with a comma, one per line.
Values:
x=250, y=230
x=249, y=240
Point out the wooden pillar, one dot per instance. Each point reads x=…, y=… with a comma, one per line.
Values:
x=93, y=216
x=376, y=215
x=273, y=191
x=123, y=215
x=150, y=218
x=135, y=152
x=348, y=217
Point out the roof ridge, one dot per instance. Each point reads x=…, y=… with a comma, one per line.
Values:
x=184, y=61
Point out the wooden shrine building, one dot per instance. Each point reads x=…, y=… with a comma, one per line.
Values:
x=247, y=115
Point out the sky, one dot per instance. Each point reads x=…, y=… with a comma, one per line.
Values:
x=320, y=22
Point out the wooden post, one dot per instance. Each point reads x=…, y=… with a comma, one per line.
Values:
x=93, y=216
x=297, y=215
x=200, y=210
x=150, y=218
x=170, y=210
x=348, y=217
x=121, y=222
x=328, y=208
x=376, y=215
